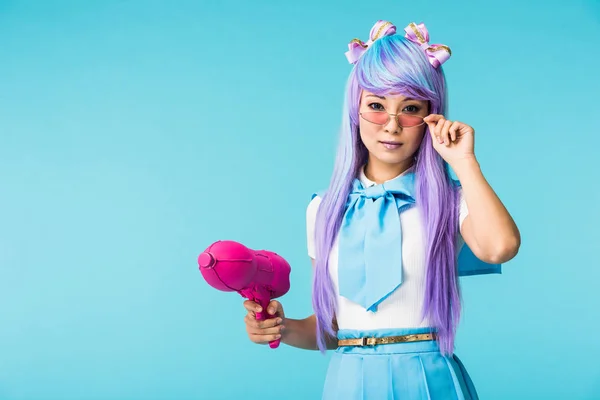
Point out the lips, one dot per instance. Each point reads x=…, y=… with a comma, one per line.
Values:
x=390, y=145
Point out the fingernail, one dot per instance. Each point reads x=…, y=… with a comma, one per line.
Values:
x=279, y=320
x=271, y=311
x=258, y=309
x=282, y=328
x=278, y=337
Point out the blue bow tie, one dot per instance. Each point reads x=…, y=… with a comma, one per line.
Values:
x=370, y=256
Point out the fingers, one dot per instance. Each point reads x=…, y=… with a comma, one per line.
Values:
x=437, y=131
x=441, y=129
x=433, y=118
x=432, y=122
x=252, y=307
x=264, y=331
x=459, y=129
x=275, y=308
x=252, y=322
x=435, y=123
x=271, y=329
x=264, y=339
x=452, y=130
x=445, y=138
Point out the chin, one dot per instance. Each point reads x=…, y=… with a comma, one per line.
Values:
x=393, y=159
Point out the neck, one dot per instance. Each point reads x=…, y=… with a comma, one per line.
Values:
x=380, y=172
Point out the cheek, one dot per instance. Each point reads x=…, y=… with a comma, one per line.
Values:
x=415, y=137
x=367, y=132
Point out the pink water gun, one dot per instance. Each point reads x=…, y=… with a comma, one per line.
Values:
x=257, y=275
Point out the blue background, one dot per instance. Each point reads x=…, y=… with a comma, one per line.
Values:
x=135, y=133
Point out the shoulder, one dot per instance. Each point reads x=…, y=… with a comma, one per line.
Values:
x=463, y=210
x=313, y=206
x=311, y=219
x=460, y=195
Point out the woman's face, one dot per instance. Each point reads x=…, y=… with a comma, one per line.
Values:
x=388, y=142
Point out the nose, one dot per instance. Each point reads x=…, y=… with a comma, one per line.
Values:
x=392, y=125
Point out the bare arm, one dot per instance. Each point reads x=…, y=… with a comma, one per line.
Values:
x=303, y=333
x=488, y=230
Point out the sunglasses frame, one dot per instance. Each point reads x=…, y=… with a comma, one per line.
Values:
x=396, y=116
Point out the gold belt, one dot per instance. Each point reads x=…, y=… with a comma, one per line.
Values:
x=373, y=341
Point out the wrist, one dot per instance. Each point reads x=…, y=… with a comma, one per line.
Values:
x=465, y=166
x=289, y=328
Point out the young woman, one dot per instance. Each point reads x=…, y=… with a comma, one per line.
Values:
x=393, y=232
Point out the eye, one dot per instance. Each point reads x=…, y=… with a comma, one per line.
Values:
x=376, y=107
x=412, y=109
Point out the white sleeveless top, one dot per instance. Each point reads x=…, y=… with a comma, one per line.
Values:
x=403, y=308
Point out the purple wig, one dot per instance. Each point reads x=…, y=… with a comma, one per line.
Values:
x=394, y=65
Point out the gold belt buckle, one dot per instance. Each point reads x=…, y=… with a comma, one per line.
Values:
x=365, y=341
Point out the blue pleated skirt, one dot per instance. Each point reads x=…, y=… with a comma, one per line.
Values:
x=399, y=371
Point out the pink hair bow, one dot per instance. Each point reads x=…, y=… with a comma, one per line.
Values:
x=357, y=47
x=436, y=53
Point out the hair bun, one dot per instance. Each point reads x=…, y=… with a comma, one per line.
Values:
x=380, y=29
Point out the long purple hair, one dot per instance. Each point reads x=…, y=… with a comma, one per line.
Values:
x=394, y=65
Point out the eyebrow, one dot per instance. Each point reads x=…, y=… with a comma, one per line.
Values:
x=383, y=97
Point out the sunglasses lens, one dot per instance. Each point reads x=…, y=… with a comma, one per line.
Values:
x=407, y=121
x=382, y=118
x=379, y=118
